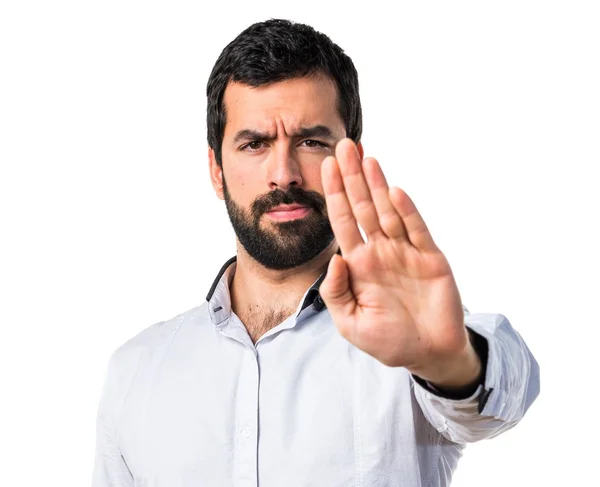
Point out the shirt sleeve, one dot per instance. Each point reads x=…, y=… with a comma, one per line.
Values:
x=110, y=468
x=511, y=384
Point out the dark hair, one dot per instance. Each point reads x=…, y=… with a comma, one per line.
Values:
x=277, y=50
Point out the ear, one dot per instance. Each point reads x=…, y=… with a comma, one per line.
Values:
x=216, y=174
x=361, y=151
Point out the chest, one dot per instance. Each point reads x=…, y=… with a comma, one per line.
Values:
x=306, y=409
x=259, y=321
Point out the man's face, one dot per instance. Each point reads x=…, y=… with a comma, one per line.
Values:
x=275, y=139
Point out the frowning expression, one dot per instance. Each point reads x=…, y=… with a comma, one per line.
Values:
x=276, y=137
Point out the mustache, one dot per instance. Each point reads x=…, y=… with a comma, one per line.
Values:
x=312, y=199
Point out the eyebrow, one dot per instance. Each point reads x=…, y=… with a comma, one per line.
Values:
x=315, y=131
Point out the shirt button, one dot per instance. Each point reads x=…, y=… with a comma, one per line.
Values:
x=246, y=432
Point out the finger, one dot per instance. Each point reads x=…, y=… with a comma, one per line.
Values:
x=389, y=219
x=356, y=188
x=337, y=293
x=339, y=211
x=417, y=230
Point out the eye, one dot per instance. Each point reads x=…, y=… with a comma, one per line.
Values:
x=314, y=143
x=254, y=146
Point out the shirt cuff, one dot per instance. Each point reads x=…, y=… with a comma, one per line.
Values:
x=480, y=344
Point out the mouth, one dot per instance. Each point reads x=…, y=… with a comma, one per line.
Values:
x=291, y=212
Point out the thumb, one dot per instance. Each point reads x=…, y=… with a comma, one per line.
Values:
x=335, y=288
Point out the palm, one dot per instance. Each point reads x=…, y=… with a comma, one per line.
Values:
x=393, y=296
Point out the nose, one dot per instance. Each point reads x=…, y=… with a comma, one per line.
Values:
x=283, y=169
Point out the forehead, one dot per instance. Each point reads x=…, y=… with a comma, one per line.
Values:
x=291, y=103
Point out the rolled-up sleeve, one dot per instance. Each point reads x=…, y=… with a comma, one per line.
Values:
x=110, y=469
x=512, y=383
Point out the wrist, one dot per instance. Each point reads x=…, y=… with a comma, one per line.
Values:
x=459, y=373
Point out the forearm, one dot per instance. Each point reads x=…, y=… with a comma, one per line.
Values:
x=509, y=385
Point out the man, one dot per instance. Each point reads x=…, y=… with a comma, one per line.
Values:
x=319, y=358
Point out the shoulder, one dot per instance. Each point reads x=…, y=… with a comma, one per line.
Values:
x=153, y=341
x=138, y=358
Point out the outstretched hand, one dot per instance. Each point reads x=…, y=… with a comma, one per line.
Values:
x=393, y=296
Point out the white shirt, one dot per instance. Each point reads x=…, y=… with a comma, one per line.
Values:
x=192, y=402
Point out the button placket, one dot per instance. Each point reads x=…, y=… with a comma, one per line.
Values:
x=246, y=451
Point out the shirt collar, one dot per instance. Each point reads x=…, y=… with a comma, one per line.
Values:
x=312, y=296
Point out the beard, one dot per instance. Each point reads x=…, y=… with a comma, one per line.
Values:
x=281, y=245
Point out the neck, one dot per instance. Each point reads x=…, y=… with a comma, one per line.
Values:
x=254, y=287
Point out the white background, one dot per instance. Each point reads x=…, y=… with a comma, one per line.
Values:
x=486, y=113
